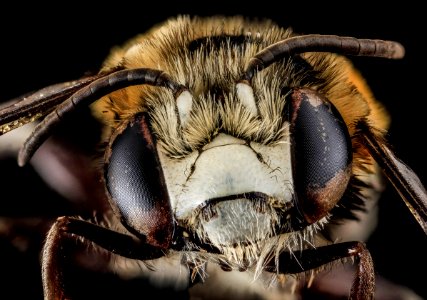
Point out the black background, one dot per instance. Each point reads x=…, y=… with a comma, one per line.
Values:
x=45, y=45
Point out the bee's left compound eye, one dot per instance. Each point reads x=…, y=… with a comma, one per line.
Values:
x=322, y=154
x=136, y=184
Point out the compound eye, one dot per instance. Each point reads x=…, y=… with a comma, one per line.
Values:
x=136, y=184
x=322, y=154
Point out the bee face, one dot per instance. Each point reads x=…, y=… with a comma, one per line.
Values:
x=242, y=161
x=227, y=148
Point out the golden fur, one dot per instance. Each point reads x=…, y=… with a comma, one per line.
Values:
x=166, y=48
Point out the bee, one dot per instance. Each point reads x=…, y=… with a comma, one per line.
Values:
x=229, y=148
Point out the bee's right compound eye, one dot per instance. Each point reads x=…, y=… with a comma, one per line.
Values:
x=136, y=184
x=322, y=154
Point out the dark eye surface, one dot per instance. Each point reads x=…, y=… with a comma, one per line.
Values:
x=322, y=153
x=136, y=184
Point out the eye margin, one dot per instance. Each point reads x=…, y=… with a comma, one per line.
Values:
x=135, y=183
x=322, y=155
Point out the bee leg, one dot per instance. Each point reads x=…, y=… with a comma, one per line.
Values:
x=66, y=230
x=401, y=176
x=300, y=261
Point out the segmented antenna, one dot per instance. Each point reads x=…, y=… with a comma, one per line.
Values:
x=323, y=43
x=87, y=95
